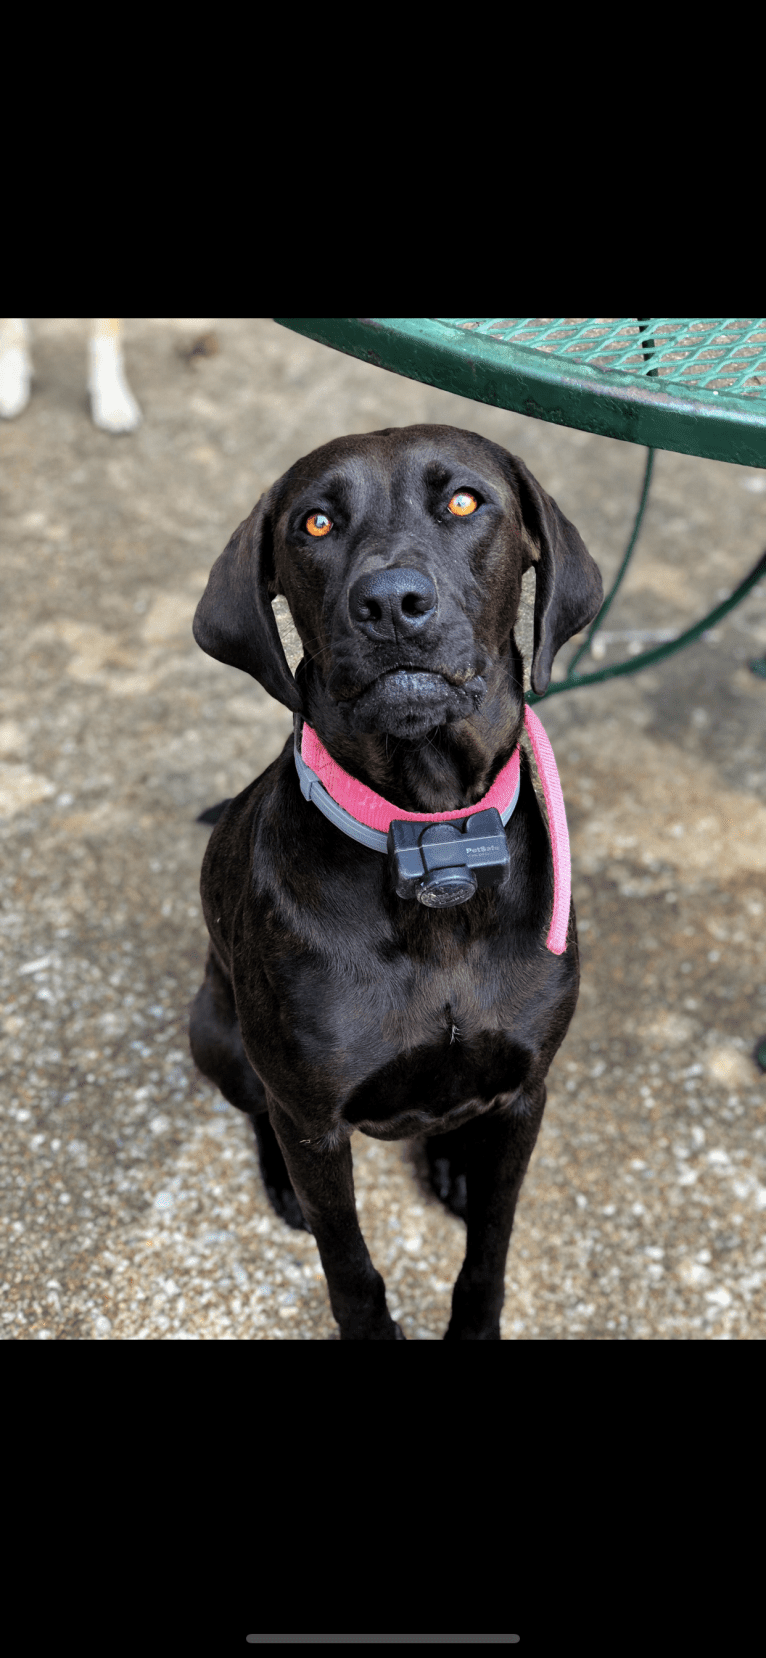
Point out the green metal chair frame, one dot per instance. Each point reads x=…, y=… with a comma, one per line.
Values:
x=694, y=385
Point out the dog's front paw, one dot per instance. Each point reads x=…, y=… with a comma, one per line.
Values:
x=389, y=1331
x=488, y=1333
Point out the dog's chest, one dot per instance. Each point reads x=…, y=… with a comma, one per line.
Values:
x=415, y=1044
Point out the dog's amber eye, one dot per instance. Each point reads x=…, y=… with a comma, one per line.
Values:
x=463, y=503
x=318, y=523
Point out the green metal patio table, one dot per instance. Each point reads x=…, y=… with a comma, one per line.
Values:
x=695, y=385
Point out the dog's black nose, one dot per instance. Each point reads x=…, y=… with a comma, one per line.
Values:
x=387, y=604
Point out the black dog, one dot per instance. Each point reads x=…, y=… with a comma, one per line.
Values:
x=330, y=1002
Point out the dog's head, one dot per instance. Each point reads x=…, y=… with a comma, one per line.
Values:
x=400, y=554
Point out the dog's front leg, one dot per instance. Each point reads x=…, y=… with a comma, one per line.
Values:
x=497, y=1150
x=323, y=1181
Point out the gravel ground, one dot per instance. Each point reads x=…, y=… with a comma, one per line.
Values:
x=132, y=1203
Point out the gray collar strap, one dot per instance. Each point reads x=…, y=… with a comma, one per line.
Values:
x=314, y=790
x=442, y=857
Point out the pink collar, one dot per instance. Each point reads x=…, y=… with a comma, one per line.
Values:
x=366, y=816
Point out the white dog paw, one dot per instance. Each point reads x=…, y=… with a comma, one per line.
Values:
x=113, y=405
x=15, y=377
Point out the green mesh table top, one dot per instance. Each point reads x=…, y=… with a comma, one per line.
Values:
x=696, y=385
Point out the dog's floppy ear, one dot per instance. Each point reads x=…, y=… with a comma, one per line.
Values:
x=569, y=591
x=234, y=621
